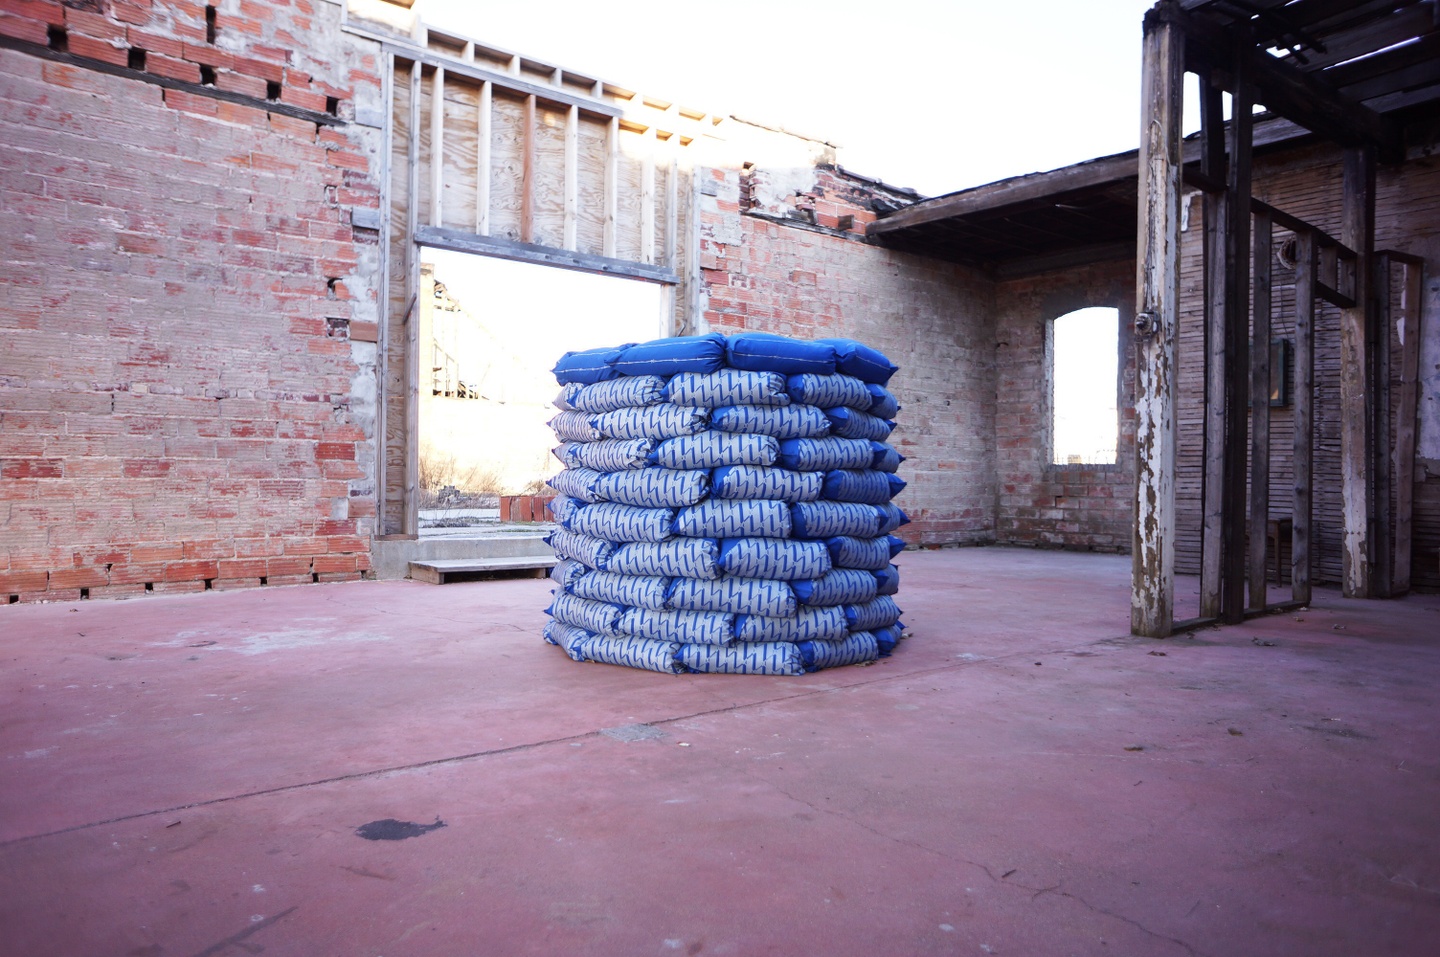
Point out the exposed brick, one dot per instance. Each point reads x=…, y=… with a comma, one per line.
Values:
x=32, y=468
x=41, y=11
x=31, y=31
x=175, y=69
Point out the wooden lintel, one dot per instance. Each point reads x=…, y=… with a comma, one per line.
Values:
x=464, y=242
x=1333, y=296
x=1284, y=89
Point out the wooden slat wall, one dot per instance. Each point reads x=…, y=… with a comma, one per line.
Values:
x=576, y=163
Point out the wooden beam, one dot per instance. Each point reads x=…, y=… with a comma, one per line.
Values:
x=1216, y=228
x=1301, y=516
x=1237, y=352
x=437, y=148
x=647, y=197
x=1260, y=412
x=1382, y=556
x=572, y=177
x=1408, y=407
x=484, y=120
x=672, y=200
x=1016, y=267
x=410, y=441
x=1157, y=301
x=1294, y=94
x=505, y=80
x=612, y=186
x=1357, y=231
x=464, y=242
x=527, y=173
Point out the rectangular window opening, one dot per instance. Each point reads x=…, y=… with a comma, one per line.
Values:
x=1084, y=354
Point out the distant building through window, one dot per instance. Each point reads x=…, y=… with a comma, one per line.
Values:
x=1084, y=356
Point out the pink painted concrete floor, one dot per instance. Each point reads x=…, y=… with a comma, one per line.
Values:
x=186, y=776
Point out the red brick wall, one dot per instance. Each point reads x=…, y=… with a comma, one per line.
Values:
x=178, y=398
x=932, y=318
x=1069, y=506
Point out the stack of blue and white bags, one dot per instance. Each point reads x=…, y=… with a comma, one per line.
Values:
x=725, y=505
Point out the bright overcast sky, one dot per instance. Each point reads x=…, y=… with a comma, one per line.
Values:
x=937, y=95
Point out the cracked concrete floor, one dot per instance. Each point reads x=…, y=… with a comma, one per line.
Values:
x=186, y=776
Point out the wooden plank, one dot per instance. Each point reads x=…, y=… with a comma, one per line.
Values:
x=1357, y=231
x=410, y=519
x=572, y=178
x=1212, y=164
x=1260, y=410
x=1382, y=557
x=1152, y=601
x=1406, y=411
x=672, y=202
x=507, y=81
x=1237, y=351
x=647, y=197
x=437, y=148
x=1304, y=412
x=527, y=173
x=462, y=241
x=612, y=186
x=483, y=132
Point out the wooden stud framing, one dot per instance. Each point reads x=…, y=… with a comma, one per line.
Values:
x=1152, y=601
x=1302, y=514
x=1357, y=231
x=647, y=198
x=484, y=118
x=437, y=148
x=672, y=201
x=527, y=173
x=572, y=177
x=1382, y=556
x=612, y=186
x=1260, y=412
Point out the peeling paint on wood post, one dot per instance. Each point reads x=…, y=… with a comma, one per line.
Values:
x=1152, y=602
x=1357, y=231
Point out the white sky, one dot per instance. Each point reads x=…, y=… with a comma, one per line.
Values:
x=937, y=95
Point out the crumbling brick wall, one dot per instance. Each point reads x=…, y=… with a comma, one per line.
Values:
x=184, y=385
x=795, y=263
x=1040, y=503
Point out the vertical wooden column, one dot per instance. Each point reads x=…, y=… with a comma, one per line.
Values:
x=572, y=176
x=1212, y=164
x=1304, y=416
x=647, y=197
x=527, y=173
x=410, y=519
x=1237, y=345
x=1152, y=601
x=1410, y=293
x=484, y=117
x=437, y=148
x=1357, y=388
x=612, y=185
x=1260, y=412
x=1382, y=552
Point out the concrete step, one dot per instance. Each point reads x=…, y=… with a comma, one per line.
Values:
x=438, y=571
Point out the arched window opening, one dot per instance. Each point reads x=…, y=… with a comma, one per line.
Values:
x=1084, y=359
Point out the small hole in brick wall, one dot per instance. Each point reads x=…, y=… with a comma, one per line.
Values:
x=210, y=29
x=209, y=583
x=337, y=328
x=149, y=588
x=272, y=90
x=330, y=285
x=14, y=600
x=58, y=38
x=207, y=75
x=84, y=593
x=135, y=59
x=264, y=580
x=332, y=105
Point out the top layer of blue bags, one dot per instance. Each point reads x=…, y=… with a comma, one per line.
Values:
x=751, y=351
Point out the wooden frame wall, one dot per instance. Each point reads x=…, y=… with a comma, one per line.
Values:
x=493, y=154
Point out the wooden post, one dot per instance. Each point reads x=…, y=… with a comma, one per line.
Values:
x=527, y=173
x=1382, y=555
x=1237, y=346
x=1212, y=164
x=1410, y=292
x=647, y=197
x=612, y=186
x=437, y=148
x=410, y=520
x=1357, y=488
x=572, y=176
x=483, y=119
x=1304, y=416
x=1260, y=414
x=1152, y=601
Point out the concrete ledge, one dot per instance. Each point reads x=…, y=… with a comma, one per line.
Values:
x=391, y=558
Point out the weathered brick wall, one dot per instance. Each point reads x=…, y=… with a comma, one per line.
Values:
x=1040, y=503
x=934, y=319
x=181, y=404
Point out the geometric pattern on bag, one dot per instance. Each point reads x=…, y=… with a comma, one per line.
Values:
x=727, y=387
